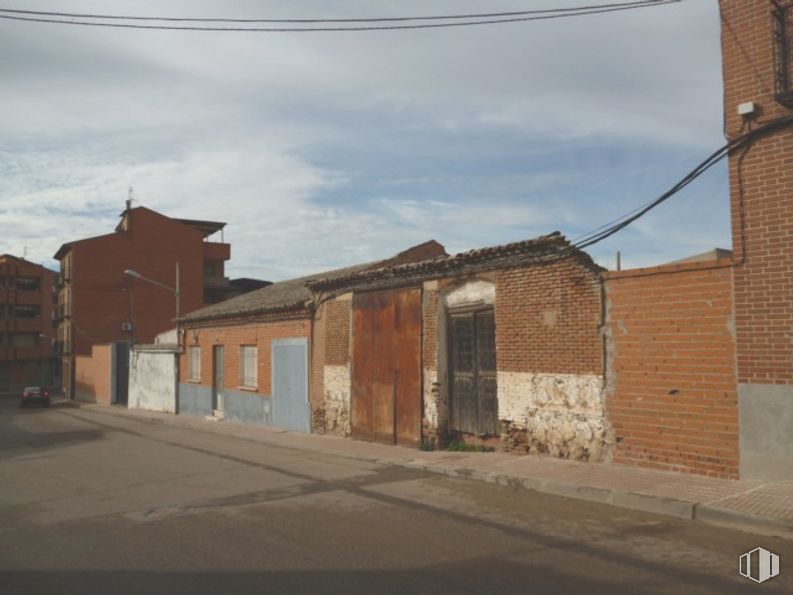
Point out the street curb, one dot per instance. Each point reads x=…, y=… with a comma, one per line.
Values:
x=630, y=500
x=744, y=521
x=672, y=507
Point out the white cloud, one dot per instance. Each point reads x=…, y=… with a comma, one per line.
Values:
x=255, y=129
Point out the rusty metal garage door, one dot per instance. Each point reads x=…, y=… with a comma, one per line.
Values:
x=386, y=369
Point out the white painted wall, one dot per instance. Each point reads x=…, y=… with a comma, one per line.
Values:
x=152, y=379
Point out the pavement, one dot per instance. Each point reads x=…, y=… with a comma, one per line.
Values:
x=752, y=506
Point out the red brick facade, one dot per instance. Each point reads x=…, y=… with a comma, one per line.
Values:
x=27, y=356
x=761, y=187
x=232, y=337
x=674, y=403
x=97, y=297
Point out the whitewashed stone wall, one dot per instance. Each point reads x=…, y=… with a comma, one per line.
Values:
x=559, y=414
x=338, y=384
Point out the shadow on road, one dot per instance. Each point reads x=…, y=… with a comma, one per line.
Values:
x=475, y=577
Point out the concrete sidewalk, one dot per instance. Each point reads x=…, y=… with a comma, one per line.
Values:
x=752, y=506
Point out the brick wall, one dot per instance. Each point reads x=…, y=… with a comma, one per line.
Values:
x=232, y=336
x=333, y=334
x=316, y=392
x=549, y=353
x=674, y=405
x=761, y=188
x=337, y=338
x=547, y=319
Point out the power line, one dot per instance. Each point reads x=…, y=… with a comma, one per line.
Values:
x=743, y=141
x=631, y=4
x=534, y=16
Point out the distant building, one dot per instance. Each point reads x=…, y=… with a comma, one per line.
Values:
x=27, y=293
x=99, y=304
x=244, y=285
x=715, y=254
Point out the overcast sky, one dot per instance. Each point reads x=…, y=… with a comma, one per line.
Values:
x=324, y=150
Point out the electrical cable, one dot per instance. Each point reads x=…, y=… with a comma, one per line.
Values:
x=4, y=14
x=631, y=4
x=743, y=141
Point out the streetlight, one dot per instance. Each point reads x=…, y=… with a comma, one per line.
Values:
x=175, y=291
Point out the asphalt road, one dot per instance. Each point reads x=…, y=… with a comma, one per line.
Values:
x=94, y=503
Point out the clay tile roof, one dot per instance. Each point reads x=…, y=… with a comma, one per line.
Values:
x=295, y=294
x=502, y=256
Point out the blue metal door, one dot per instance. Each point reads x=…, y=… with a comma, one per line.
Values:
x=290, y=384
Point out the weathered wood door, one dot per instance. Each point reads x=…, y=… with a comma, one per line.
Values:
x=472, y=369
x=386, y=369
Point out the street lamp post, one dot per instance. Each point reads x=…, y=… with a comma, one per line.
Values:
x=175, y=291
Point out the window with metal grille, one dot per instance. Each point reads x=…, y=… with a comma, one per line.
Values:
x=248, y=356
x=27, y=311
x=194, y=364
x=782, y=22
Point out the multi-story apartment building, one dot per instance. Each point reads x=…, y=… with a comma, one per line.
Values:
x=98, y=303
x=27, y=356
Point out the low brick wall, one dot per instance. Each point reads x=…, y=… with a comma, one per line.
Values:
x=673, y=397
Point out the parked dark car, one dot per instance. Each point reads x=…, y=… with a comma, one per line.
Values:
x=35, y=394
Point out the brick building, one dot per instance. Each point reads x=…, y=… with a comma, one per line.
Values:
x=27, y=355
x=757, y=49
x=501, y=345
x=98, y=304
x=248, y=358
x=685, y=367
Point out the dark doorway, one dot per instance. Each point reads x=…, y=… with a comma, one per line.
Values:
x=122, y=373
x=217, y=379
x=472, y=370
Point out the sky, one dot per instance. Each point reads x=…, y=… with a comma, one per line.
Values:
x=322, y=150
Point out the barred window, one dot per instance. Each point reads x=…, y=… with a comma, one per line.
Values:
x=194, y=364
x=248, y=357
x=782, y=22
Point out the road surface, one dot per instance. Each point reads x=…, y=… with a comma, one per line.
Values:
x=95, y=503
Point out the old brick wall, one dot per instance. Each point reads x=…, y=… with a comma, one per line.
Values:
x=674, y=405
x=232, y=337
x=548, y=350
x=550, y=360
x=434, y=418
x=761, y=191
x=332, y=335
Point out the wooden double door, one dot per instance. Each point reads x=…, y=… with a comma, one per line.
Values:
x=472, y=372
x=386, y=367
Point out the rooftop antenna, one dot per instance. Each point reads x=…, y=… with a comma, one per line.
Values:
x=24, y=253
x=130, y=197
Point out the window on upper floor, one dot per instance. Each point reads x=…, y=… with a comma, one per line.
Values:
x=28, y=283
x=25, y=339
x=27, y=312
x=782, y=21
